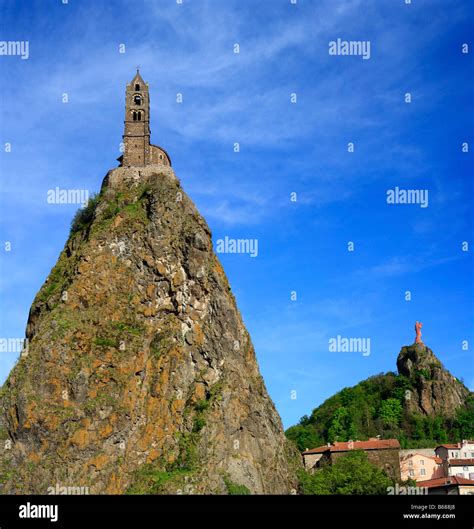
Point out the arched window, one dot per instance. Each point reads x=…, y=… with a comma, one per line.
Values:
x=134, y=116
x=139, y=116
x=137, y=87
x=137, y=100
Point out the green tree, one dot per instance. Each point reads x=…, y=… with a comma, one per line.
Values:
x=352, y=473
x=340, y=425
x=464, y=421
x=390, y=412
x=84, y=216
x=376, y=406
x=402, y=384
x=304, y=437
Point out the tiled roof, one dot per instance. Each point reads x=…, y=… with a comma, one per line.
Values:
x=436, y=459
x=456, y=445
x=461, y=462
x=443, y=482
x=379, y=444
x=318, y=450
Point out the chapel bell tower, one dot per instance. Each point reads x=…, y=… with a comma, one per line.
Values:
x=138, y=150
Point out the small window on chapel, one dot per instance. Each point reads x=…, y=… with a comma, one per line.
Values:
x=137, y=87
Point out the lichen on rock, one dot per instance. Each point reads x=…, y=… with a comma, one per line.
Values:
x=133, y=381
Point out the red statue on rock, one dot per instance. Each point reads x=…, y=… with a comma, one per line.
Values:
x=418, y=326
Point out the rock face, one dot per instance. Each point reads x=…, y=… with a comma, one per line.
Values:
x=437, y=392
x=140, y=375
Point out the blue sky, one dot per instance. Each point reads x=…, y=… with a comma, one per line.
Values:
x=285, y=148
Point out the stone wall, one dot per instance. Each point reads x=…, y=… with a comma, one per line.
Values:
x=429, y=452
x=311, y=460
x=159, y=156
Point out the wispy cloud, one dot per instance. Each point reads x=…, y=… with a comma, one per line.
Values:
x=397, y=266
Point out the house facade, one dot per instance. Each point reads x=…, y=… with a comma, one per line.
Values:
x=419, y=466
x=462, y=468
x=462, y=450
x=458, y=459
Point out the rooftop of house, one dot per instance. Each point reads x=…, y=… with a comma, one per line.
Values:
x=461, y=462
x=436, y=459
x=371, y=444
x=456, y=446
x=445, y=482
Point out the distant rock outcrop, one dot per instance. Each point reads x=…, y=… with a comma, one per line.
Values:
x=423, y=404
x=436, y=391
x=140, y=374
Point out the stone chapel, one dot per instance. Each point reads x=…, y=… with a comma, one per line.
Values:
x=138, y=151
